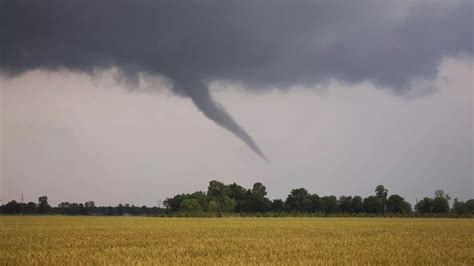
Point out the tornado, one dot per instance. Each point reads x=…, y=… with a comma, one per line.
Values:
x=216, y=112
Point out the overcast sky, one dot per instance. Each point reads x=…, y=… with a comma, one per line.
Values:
x=158, y=98
x=75, y=139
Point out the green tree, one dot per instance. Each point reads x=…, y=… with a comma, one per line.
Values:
x=374, y=204
x=440, y=194
x=381, y=192
x=259, y=190
x=12, y=207
x=397, y=204
x=278, y=205
x=172, y=204
x=190, y=205
x=459, y=207
x=89, y=207
x=89, y=204
x=240, y=195
x=425, y=205
x=345, y=204
x=226, y=204
x=316, y=203
x=256, y=201
x=216, y=189
x=43, y=206
x=64, y=208
x=212, y=206
x=357, y=204
x=299, y=200
x=441, y=202
x=329, y=204
x=201, y=197
x=469, y=204
x=30, y=208
x=237, y=192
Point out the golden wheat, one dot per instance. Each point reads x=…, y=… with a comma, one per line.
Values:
x=140, y=240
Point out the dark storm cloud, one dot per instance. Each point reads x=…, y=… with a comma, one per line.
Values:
x=258, y=43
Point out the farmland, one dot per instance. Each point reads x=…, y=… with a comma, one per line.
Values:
x=135, y=240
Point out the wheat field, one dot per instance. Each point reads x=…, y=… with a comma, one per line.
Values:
x=142, y=240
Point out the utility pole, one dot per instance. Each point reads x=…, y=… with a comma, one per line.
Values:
x=21, y=208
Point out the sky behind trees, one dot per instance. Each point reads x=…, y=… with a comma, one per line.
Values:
x=70, y=137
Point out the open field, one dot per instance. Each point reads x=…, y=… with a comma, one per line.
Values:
x=126, y=240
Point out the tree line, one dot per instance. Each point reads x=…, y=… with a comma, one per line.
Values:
x=68, y=208
x=235, y=199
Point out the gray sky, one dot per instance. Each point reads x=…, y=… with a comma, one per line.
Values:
x=74, y=138
x=134, y=100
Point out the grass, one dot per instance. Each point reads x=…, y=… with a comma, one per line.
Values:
x=141, y=240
